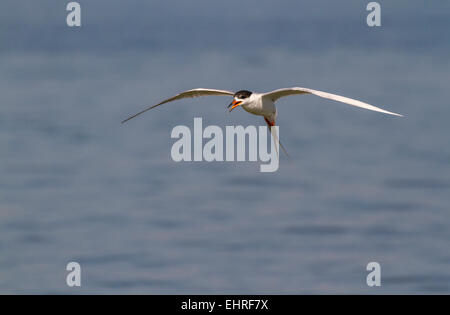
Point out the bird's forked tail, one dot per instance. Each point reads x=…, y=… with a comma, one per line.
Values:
x=270, y=124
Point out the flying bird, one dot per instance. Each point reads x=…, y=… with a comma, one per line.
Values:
x=263, y=104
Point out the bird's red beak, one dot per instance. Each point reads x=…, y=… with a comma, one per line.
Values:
x=234, y=104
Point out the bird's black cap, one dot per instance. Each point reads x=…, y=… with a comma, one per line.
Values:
x=242, y=94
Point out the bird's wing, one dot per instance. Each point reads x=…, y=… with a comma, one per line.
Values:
x=185, y=94
x=275, y=95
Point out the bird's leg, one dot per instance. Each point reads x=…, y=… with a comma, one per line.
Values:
x=270, y=124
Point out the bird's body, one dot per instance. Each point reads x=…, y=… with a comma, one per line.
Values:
x=258, y=105
x=263, y=104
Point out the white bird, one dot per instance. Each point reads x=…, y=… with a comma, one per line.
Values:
x=263, y=104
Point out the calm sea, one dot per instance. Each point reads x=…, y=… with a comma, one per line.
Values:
x=76, y=185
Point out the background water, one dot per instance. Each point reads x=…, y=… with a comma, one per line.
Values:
x=76, y=185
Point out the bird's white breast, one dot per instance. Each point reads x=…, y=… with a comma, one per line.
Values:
x=260, y=106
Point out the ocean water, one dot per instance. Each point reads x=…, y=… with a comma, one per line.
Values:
x=76, y=185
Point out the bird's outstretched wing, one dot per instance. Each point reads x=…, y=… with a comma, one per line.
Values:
x=185, y=94
x=275, y=95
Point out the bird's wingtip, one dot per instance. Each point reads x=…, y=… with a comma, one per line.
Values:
x=393, y=114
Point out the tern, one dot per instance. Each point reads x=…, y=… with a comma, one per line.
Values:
x=263, y=104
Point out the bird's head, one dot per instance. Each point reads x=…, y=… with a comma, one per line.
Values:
x=240, y=98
